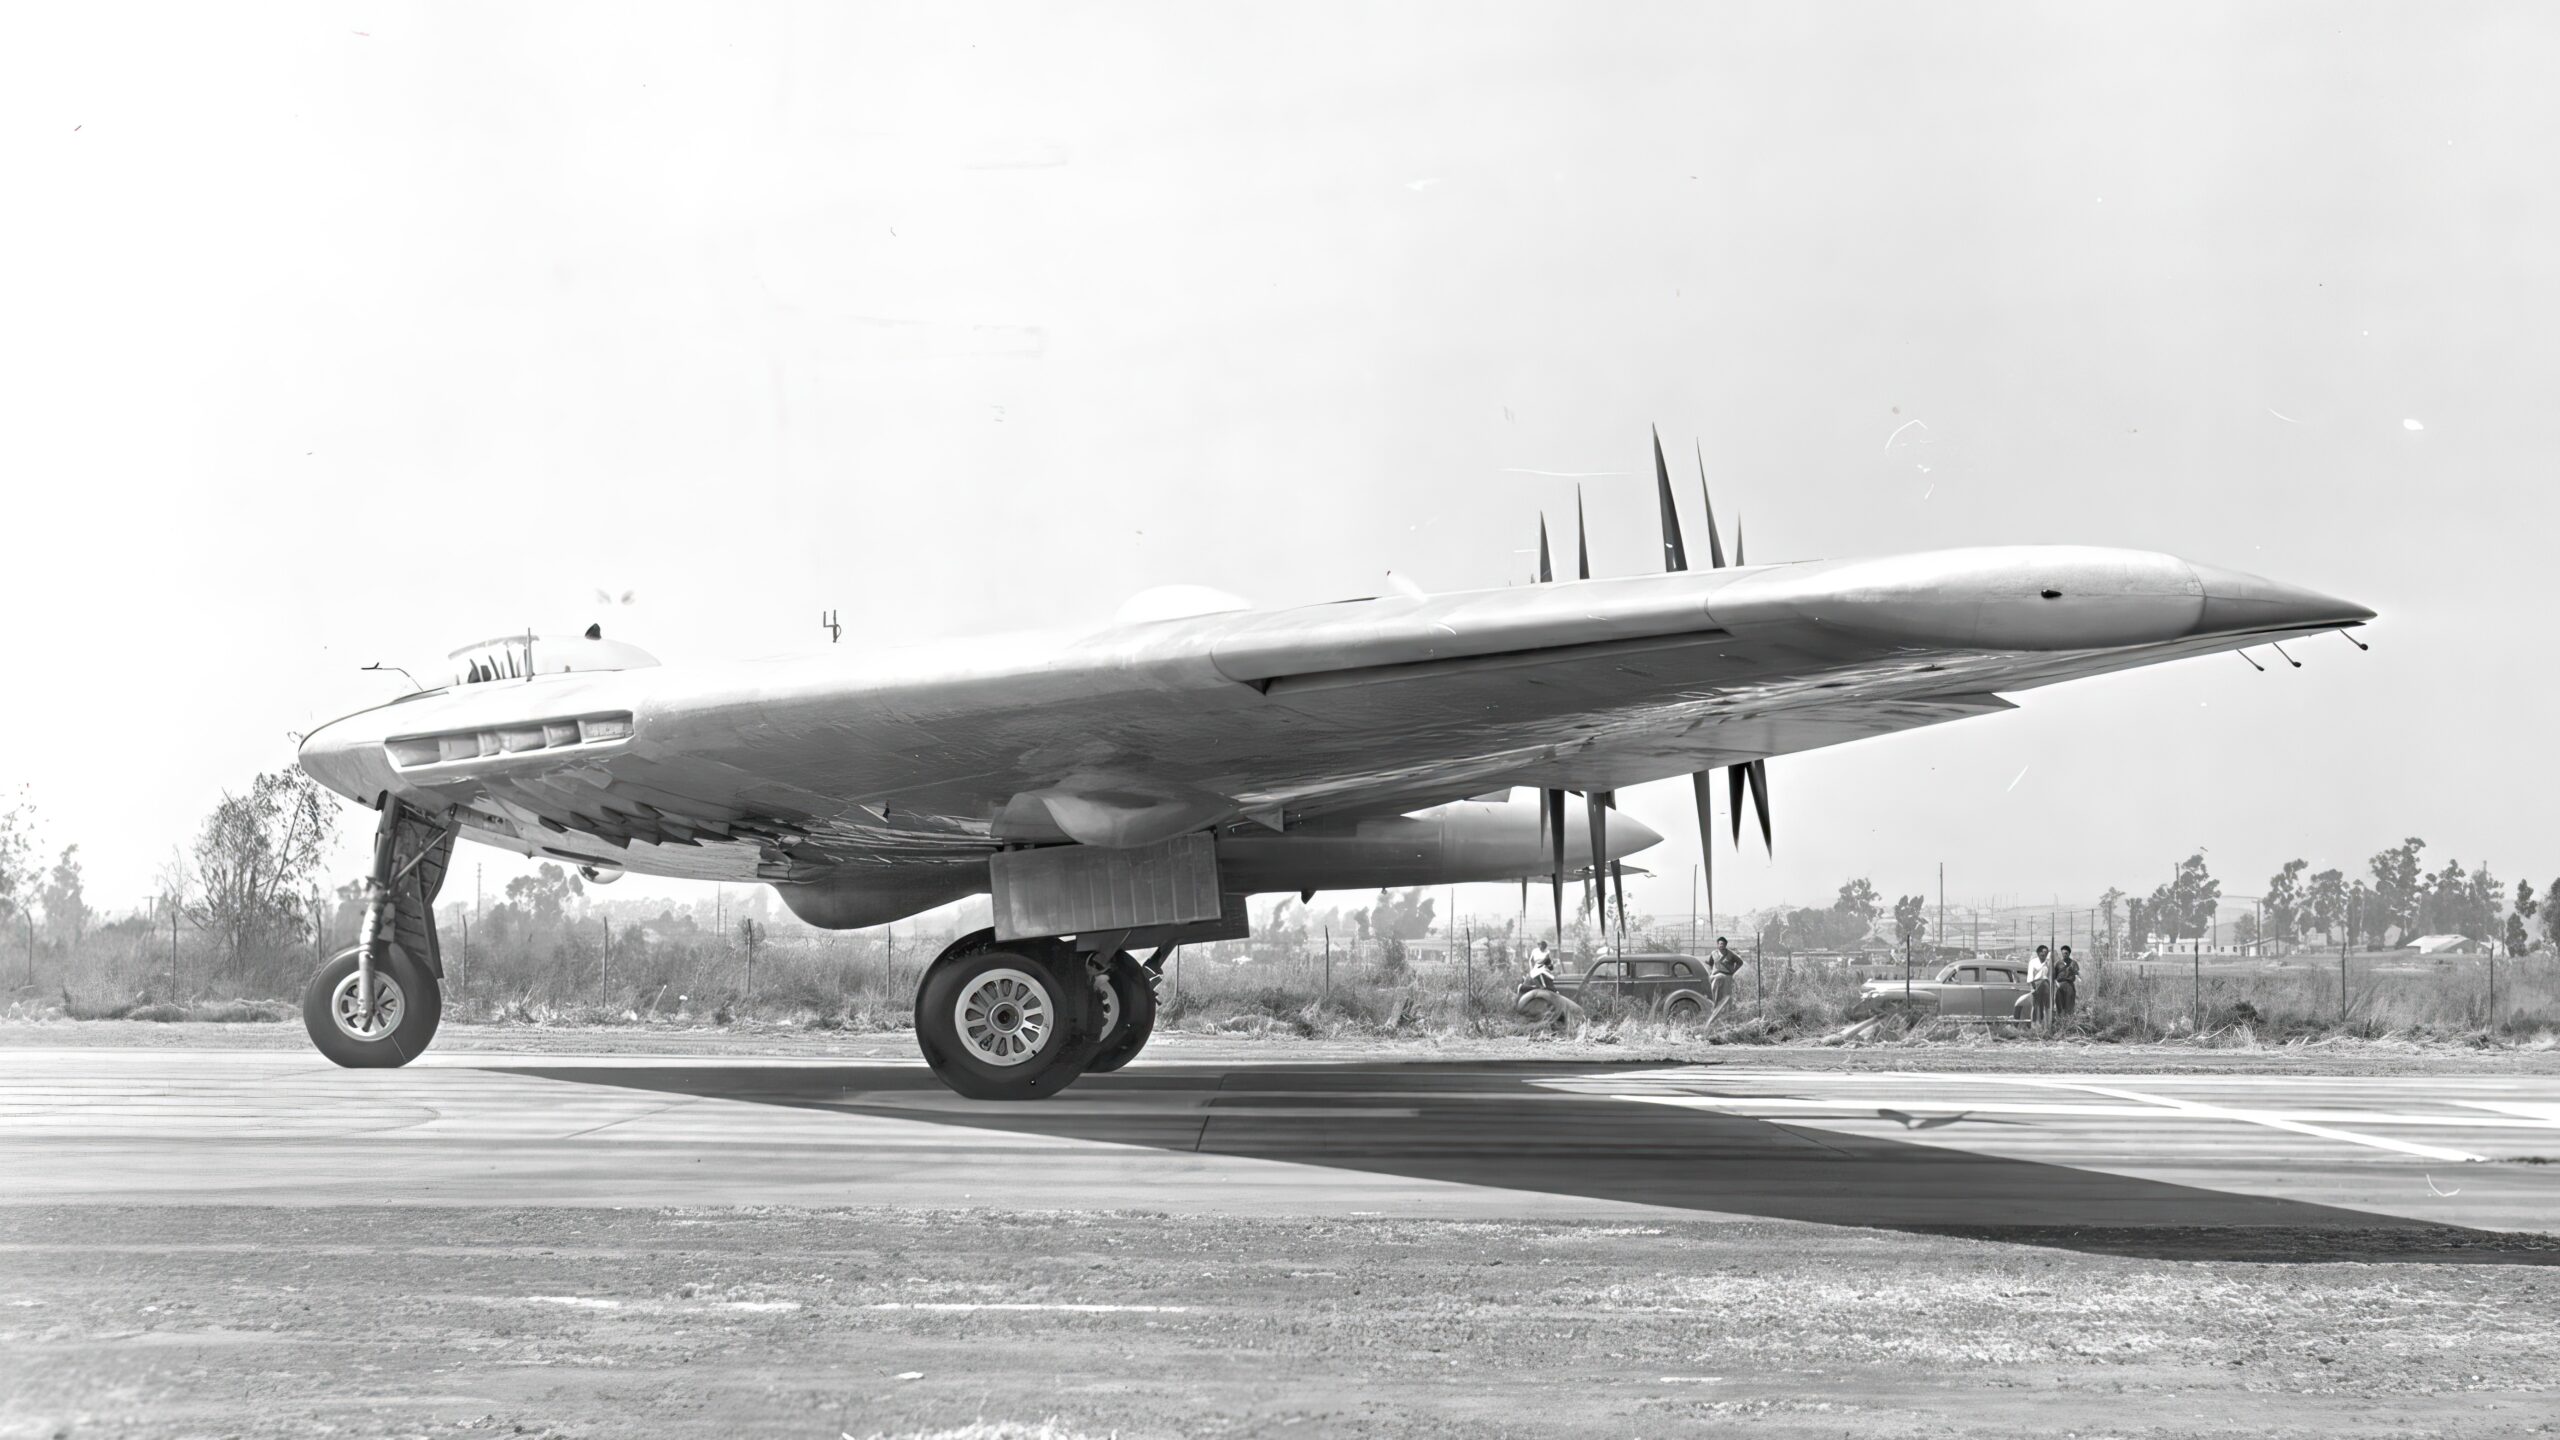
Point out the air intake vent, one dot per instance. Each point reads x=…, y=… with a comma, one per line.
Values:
x=410, y=752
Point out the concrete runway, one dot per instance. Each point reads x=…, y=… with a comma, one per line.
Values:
x=2121, y=1157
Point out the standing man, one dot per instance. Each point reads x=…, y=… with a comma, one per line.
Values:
x=2066, y=986
x=2040, y=983
x=1723, y=966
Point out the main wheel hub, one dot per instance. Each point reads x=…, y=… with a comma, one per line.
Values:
x=1004, y=1016
x=359, y=1022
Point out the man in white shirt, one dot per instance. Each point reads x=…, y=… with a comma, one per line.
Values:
x=2040, y=981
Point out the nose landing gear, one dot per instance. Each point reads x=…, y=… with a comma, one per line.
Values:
x=377, y=1003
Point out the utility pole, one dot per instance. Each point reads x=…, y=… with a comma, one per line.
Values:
x=604, y=967
x=1327, y=994
x=1942, y=904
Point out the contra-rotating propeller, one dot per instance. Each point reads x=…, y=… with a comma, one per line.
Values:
x=1749, y=778
x=1752, y=776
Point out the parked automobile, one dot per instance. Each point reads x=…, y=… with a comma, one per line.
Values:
x=1674, y=983
x=1966, y=990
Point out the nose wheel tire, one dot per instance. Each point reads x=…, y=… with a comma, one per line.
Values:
x=1003, y=1024
x=392, y=1026
x=1128, y=1014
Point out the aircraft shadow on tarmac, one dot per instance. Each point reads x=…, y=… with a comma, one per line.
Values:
x=1494, y=1125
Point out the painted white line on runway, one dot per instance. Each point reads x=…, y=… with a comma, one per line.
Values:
x=2271, y=1121
x=958, y=1307
x=2543, y=1111
x=1772, y=1106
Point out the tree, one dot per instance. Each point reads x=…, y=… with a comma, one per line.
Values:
x=66, y=903
x=1396, y=919
x=543, y=896
x=2550, y=913
x=2186, y=905
x=2112, y=946
x=2519, y=939
x=1402, y=917
x=2244, y=931
x=252, y=858
x=2364, y=915
x=17, y=842
x=1840, y=927
x=2398, y=879
x=2284, y=900
x=2484, y=898
x=2325, y=903
x=1858, y=897
x=2443, y=898
x=1911, y=920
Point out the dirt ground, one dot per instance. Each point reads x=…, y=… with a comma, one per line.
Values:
x=261, y=1322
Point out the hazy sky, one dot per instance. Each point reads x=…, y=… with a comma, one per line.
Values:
x=344, y=333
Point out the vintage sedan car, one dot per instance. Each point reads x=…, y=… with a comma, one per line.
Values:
x=1966, y=990
x=1673, y=983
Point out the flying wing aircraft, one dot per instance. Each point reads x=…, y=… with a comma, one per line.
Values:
x=1126, y=789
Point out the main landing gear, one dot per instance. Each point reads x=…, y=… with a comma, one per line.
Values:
x=1022, y=1019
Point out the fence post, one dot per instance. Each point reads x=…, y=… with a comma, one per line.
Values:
x=1467, y=1004
x=2197, y=955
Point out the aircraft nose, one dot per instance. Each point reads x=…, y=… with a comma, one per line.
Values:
x=2235, y=603
x=343, y=760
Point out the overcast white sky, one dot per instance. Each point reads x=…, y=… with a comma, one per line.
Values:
x=343, y=333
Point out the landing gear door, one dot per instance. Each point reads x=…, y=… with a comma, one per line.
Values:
x=422, y=850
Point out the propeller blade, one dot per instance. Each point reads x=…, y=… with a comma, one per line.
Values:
x=1596, y=806
x=1546, y=568
x=1675, y=555
x=1737, y=539
x=1555, y=836
x=1760, y=802
x=1715, y=543
x=1618, y=883
x=1736, y=776
x=1698, y=784
x=1581, y=535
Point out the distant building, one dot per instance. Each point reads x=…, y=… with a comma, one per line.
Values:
x=2448, y=945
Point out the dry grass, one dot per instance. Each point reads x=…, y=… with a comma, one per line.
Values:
x=856, y=984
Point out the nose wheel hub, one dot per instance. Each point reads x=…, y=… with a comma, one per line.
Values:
x=360, y=1021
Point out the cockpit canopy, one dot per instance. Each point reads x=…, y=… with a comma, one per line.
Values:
x=518, y=657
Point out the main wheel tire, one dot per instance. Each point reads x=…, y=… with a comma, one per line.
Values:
x=407, y=1006
x=1006, y=1024
x=1128, y=1014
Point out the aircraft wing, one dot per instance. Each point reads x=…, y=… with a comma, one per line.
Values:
x=1128, y=736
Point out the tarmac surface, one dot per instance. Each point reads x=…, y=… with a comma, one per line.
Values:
x=1256, y=1241
x=2133, y=1159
